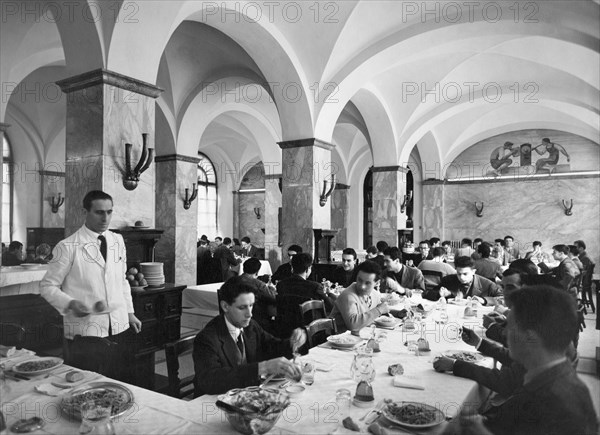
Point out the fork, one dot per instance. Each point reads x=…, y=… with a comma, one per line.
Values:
x=377, y=410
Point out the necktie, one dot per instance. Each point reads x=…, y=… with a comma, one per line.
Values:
x=102, y=246
x=240, y=345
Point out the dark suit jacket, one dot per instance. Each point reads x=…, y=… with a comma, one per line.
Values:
x=480, y=286
x=504, y=381
x=283, y=271
x=215, y=357
x=412, y=278
x=225, y=257
x=298, y=286
x=344, y=278
x=251, y=251
x=555, y=402
x=265, y=304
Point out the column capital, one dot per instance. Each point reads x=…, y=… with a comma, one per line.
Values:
x=310, y=142
x=396, y=168
x=340, y=186
x=179, y=157
x=273, y=176
x=105, y=77
x=4, y=126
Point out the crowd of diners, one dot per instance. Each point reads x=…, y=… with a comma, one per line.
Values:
x=532, y=329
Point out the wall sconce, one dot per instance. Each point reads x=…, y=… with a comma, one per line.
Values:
x=187, y=201
x=479, y=211
x=257, y=212
x=132, y=177
x=407, y=200
x=56, y=203
x=328, y=187
x=569, y=209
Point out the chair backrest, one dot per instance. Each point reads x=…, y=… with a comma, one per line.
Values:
x=432, y=278
x=179, y=388
x=318, y=331
x=12, y=334
x=312, y=310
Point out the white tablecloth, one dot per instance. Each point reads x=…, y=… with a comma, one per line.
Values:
x=203, y=298
x=313, y=411
x=265, y=268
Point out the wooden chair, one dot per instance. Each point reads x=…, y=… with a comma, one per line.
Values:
x=179, y=388
x=12, y=334
x=318, y=331
x=312, y=310
x=432, y=278
x=288, y=314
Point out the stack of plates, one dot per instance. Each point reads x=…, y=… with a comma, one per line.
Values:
x=153, y=273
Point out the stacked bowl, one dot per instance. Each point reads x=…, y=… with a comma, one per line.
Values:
x=153, y=273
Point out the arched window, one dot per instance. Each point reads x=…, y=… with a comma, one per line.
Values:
x=7, y=192
x=207, y=198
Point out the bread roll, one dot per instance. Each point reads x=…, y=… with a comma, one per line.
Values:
x=74, y=376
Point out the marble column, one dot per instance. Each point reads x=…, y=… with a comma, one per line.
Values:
x=177, y=246
x=306, y=164
x=271, y=216
x=389, y=188
x=339, y=216
x=433, y=209
x=105, y=110
x=53, y=184
x=3, y=128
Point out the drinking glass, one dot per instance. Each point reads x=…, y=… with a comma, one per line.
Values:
x=413, y=347
x=343, y=398
x=95, y=418
x=308, y=371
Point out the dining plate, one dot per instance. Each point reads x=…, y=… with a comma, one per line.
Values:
x=31, y=265
x=139, y=227
x=463, y=355
x=36, y=366
x=119, y=396
x=413, y=415
x=343, y=341
x=387, y=321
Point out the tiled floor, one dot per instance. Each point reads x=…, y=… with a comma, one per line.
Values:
x=589, y=340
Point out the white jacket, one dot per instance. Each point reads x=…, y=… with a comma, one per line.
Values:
x=78, y=271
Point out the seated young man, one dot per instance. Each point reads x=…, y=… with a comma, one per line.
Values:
x=552, y=400
x=233, y=351
x=360, y=304
x=464, y=284
x=345, y=274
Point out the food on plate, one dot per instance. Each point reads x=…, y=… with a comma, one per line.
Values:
x=463, y=355
x=74, y=376
x=37, y=365
x=118, y=400
x=99, y=306
x=412, y=413
x=396, y=369
x=386, y=320
x=260, y=401
x=393, y=298
x=342, y=339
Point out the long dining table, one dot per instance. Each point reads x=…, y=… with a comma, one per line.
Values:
x=314, y=411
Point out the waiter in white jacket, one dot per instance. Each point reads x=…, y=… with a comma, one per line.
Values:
x=86, y=281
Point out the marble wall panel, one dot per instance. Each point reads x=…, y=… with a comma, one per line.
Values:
x=166, y=216
x=339, y=218
x=388, y=192
x=80, y=177
x=527, y=210
x=433, y=210
x=250, y=226
x=52, y=184
x=271, y=217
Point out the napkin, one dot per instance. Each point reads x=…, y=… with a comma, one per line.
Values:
x=12, y=352
x=403, y=381
x=51, y=390
x=324, y=367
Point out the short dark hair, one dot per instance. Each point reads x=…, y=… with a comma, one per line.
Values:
x=425, y=242
x=43, y=249
x=549, y=312
x=501, y=241
x=236, y=241
x=509, y=237
x=537, y=243
x=252, y=265
x=478, y=240
x=434, y=240
x=561, y=248
x=446, y=243
x=573, y=250
x=525, y=266
x=219, y=237
x=93, y=195
x=301, y=262
x=203, y=242
x=381, y=245
x=485, y=250
x=393, y=252
x=246, y=239
x=463, y=261
x=466, y=241
x=350, y=251
x=369, y=267
x=438, y=251
x=14, y=246
x=296, y=248
x=580, y=244
x=234, y=287
x=371, y=250
x=227, y=241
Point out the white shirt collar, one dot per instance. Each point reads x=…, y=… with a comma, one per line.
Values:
x=92, y=234
x=234, y=331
